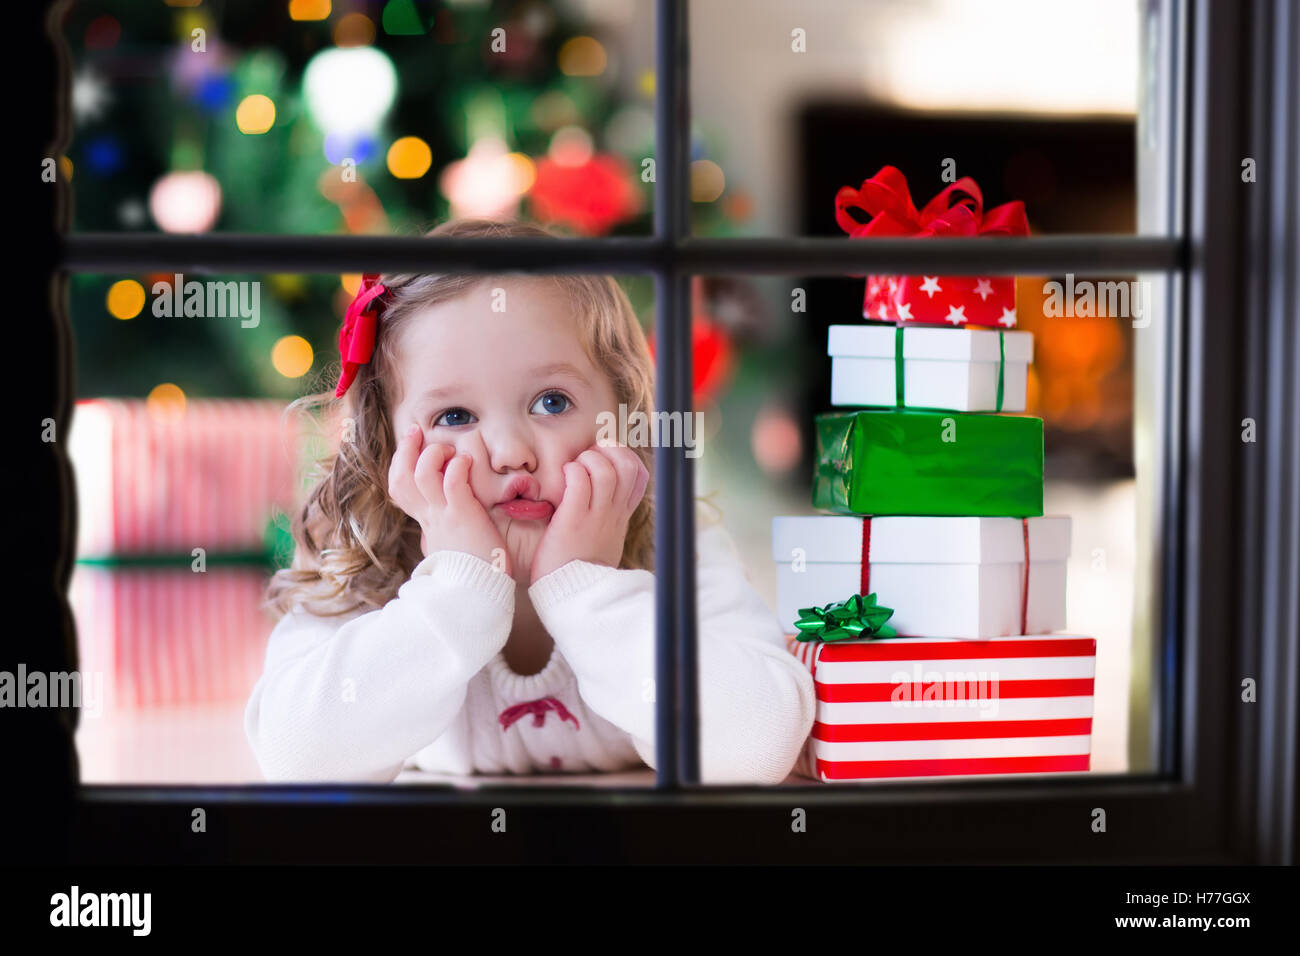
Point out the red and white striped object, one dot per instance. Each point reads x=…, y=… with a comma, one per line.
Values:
x=170, y=637
x=210, y=478
x=926, y=707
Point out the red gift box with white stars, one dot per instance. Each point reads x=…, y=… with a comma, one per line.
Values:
x=954, y=301
x=882, y=208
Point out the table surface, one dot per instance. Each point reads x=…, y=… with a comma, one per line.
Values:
x=205, y=745
x=643, y=778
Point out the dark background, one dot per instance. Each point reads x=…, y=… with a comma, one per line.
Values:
x=1073, y=175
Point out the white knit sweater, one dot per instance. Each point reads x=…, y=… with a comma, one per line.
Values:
x=422, y=682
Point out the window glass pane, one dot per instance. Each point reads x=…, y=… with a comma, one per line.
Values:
x=302, y=116
x=1035, y=101
x=188, y=458
x=799, y=447
x=167, y=138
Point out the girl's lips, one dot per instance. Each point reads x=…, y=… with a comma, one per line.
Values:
x=526, y=510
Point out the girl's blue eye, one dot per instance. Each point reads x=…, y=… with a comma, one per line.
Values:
x=552, y=403
x=454, y=413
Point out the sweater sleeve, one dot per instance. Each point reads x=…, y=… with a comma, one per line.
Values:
x=351, y=699
x=756, y=700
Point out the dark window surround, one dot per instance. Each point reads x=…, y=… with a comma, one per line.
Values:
x=1226, y=790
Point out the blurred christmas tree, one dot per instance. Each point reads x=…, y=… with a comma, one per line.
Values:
x=312, y=117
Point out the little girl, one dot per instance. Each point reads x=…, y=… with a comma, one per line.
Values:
x=472, y=586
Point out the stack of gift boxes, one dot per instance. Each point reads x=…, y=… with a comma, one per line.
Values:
x=174, y=515
x=935, y=494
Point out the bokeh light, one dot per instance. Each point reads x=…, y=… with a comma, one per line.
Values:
x=488, y=182
x=738, y=206
x=214, y=91
x=309, y=9
x=401, y=18
x=707, y=181
x=131, y=213
x=582, y=56
x=571, y=146
x=776, y=440
x=355, y=29
x=288, y=285
x=185, y=202
x=125, y=299
x=291, y=356
x=358, y=147
x=189, y=21
x=255, y=114
x=409, y=157
x=357, y=203
x=166, y=403
x=90, y=95
x=349, y=90
x=104, y=155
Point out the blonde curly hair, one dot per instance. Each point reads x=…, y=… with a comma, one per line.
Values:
x=353, y=546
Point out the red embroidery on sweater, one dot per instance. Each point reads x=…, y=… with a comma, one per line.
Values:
x=539, y=710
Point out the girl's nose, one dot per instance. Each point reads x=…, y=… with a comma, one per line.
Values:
x=508, y=448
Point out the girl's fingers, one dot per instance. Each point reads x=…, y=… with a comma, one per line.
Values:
x=428, y=473
x=577, y=489
x=640, y=483
x=604, y=479
x=627, y=464
x=456, y=483
x=401, y=484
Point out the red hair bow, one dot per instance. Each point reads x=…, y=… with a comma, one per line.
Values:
x=886, y=199
x=357, y=337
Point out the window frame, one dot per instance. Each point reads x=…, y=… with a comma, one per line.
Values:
x=1224, y=785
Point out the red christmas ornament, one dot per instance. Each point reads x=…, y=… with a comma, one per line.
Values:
x=591, y=197
x=711, y=358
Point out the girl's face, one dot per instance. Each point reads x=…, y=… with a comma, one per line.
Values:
x=514, y=389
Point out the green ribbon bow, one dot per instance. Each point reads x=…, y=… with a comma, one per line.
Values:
x=855, y=618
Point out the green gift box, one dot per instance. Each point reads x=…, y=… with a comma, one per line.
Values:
x=906, y=462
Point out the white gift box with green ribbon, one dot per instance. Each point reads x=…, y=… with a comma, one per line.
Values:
x=960, y=370
x=951, y=577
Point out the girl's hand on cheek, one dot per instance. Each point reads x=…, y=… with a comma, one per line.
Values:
x=601, y=490
x=450, y=517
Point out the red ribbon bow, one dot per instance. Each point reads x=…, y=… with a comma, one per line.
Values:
x=956, y=212
x=357, y=337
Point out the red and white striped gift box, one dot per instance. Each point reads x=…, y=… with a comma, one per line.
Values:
x=926, y=707
x=210, y=478
x=170, y=637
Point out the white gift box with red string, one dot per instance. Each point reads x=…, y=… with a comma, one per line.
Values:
x=956, y=369
x=208, y=478
x=166, y=637
x=924, y=707
x=952, y=577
